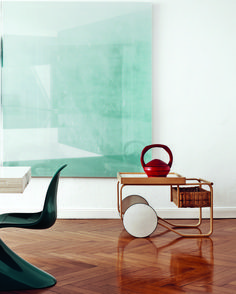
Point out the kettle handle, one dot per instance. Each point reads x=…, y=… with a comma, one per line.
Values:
x=167, y=149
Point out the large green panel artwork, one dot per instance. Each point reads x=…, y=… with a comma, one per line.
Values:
x=76, y=86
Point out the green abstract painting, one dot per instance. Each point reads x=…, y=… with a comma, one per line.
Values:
x=76, y=86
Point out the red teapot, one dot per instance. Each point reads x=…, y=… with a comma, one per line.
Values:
x=156, y=167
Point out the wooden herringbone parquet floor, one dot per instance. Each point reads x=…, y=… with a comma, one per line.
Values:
x=99, y=257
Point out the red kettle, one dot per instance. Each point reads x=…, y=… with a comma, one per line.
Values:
x=156, y=167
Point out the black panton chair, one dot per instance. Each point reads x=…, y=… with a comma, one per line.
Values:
x=16, y=273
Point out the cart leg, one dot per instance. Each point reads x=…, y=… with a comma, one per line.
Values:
x=121, y=190
x=166, y=224
x=186, y=226
x=118, y=197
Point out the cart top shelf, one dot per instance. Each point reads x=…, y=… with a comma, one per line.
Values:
x=142, y=179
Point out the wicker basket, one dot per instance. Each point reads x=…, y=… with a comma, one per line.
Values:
x=191, y=197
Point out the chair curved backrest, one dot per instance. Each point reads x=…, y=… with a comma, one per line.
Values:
x=49, y=214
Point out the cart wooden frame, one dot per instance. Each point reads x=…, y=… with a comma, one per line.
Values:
x=173, y=180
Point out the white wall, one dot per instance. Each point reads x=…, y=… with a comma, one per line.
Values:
x=194, y=82
x=194, y=113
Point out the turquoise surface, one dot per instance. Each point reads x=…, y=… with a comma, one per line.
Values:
x=77, y=86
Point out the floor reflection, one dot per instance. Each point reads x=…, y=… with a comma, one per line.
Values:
x=149, y=264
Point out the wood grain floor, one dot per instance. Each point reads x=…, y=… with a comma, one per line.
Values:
x=100, y=257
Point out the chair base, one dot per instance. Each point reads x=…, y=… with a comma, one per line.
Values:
x=18, y=274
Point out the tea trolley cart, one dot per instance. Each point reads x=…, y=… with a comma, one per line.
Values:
x=184, y=192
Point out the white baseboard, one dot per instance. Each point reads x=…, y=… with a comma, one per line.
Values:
x=169, y=213
x=88, y=213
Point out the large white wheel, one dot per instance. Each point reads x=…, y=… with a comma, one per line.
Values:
x=140, y=220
